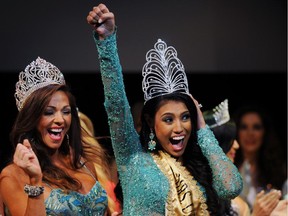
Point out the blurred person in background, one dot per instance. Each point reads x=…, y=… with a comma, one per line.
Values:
x=259, y=159
x=224, y=129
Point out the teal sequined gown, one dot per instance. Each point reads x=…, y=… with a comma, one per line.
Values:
x=74, y=203
x=60, y=203
x=145, y=187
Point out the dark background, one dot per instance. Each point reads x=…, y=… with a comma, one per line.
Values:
x=210, y=36
x=230, y=49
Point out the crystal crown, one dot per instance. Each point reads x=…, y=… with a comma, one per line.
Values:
x=218, y=115
x=37, y=74
x=163, y=73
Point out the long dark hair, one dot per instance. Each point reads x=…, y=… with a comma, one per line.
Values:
x=193, y=158
x=270, y=163
x=225, y=135
x=25, y=126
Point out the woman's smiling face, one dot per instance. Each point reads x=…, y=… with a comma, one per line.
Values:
x=55, y=121
x=173, y=127
x=251, y=132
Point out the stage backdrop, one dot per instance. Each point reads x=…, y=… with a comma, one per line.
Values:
x=210, y=36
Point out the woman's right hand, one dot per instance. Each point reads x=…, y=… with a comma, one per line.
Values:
x=265, y=203
x=201, y=121
x=281, y=209
x=102, y=20
x=25, y=158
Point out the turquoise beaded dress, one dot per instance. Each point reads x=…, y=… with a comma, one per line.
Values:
x=145, y=187
x=94, y=203
x=74, y=203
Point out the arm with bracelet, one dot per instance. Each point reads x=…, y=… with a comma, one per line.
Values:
x=23, y=179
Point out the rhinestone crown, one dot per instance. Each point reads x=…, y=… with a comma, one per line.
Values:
x=217, y=116
x=163, y=73
x=37, y=74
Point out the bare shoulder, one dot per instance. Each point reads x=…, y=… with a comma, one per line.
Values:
x=242, y=206
x=12, y=171
x=12, y=182
x=240, y=201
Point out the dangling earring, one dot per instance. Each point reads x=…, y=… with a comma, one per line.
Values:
x=67, y=137
x=151, y=143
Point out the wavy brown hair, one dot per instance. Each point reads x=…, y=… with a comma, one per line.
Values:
x=25, y=126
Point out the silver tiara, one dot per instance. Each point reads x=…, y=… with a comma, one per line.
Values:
x=217, y=116
x=163, y=73
x=37, y=74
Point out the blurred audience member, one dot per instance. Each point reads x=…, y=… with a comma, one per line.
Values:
x=224, y=130
x=259, y=159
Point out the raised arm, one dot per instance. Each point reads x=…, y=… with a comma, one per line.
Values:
x=124, y=137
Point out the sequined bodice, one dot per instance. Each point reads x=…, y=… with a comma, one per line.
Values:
x=73, y=203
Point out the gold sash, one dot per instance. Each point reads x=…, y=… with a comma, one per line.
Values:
x=185, y=196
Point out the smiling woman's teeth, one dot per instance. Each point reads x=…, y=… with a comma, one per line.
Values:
x=56, y=130
x=178, y=138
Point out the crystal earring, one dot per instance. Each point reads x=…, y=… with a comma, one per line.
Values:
x=151, y=143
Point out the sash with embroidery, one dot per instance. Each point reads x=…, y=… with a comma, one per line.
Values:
x=185, y=196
